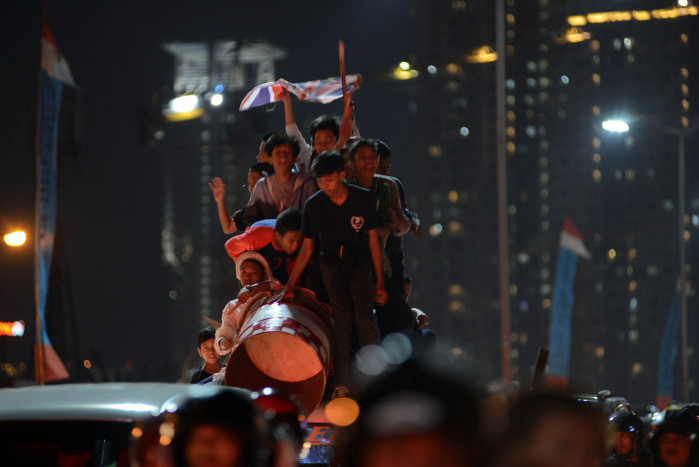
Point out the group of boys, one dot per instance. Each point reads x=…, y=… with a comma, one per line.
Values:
x=327, y=199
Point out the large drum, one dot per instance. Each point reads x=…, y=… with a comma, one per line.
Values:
x=284, y=344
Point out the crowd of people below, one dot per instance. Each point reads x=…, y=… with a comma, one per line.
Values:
x=424, y=413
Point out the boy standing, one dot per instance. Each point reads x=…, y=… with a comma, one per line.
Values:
x=343, y=219
x=284, y=189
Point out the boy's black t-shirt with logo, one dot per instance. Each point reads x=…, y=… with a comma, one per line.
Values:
x=341, y=230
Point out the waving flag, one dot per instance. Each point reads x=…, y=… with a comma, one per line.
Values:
x=54, y=73
x=571, y=246
x=323, y=91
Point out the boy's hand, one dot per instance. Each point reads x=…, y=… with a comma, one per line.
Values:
x=380, y=295
x=287, y=293
x=224, y=344
x=218, y=188
x=285, y=97
x=244, y=296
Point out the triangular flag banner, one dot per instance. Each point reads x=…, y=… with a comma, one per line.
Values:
x=571, y=246
x=54, y=73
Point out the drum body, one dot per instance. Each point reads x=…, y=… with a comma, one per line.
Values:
x=284, y=344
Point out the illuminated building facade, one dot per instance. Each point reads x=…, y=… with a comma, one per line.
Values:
x=453, y=179
x=570, y=66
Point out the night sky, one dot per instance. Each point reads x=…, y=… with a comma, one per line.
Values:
x=109, y=194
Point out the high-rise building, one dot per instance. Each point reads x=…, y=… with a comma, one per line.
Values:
x=569, y=67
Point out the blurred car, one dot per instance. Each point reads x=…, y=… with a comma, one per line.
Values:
x=82, y=424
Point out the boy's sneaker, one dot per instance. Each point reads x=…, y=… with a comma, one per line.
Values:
x=340, y=391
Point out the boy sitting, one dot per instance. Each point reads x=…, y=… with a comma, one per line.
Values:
x=251, y=268
x=343, y=219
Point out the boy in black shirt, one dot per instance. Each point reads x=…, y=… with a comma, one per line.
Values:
x=343, y=219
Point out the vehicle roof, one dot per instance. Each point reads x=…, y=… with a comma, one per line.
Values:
x=98, y=401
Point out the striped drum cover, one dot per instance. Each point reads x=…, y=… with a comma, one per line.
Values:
x=284, y=344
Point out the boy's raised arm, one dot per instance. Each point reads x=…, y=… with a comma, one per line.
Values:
x=218, y=188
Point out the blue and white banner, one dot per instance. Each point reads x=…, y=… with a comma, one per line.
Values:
x=54, y=73
x=668, y=352
x=571, y=246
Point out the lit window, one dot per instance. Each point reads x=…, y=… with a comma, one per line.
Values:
x=633, y=305
x=652, y=270
x=633, y=285
x=455, y=290
x=596, y=111
x=596, y=143
x=565, y=79
x=636, y=369
x=611, y=254
x=596, y=79
x=599, y=352
x=510, y=132
x=530, y=131
x=435, y=151
x=435, y=229
x=453, y=196
x=596, y=158
x=457, y=5
x=596, y=175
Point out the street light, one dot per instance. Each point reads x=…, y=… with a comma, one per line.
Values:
x=619, y=126
x=16, y=238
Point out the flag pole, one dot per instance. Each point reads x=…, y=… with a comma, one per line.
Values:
x=39, y=322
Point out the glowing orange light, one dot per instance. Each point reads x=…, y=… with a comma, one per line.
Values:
x=342, y=411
